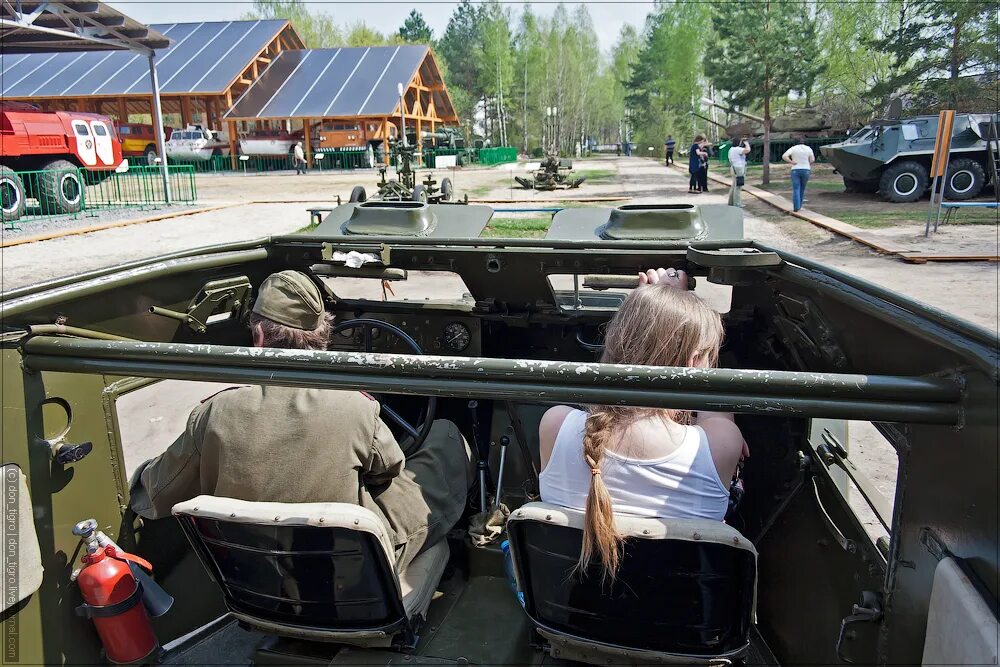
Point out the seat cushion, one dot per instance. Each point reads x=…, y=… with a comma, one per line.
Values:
x=419, y=581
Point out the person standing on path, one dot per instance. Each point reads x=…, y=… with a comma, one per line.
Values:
x=738, y=171
x=694, y=163
x=703, y=166
x=801, y=158
x=299, y=158
x=668, y=150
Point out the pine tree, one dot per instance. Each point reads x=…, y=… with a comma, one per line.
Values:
x=459, y=48
x=415, y=30
x=754, y=56
x=939, y=49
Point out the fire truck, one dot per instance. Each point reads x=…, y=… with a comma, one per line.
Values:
x=42, y=154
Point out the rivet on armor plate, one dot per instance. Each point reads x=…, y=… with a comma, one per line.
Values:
x=277, y=518
x=697, y=536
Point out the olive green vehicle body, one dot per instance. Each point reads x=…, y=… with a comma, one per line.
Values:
x=864, y=158
x=823, y=347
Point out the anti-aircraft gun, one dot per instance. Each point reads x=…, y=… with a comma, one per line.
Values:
x=405, y=187
x=552, y=173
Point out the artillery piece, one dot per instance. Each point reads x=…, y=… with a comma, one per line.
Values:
x=551, y=174
x=405, y=187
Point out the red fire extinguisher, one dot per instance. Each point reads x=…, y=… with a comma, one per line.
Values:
x=113, y=598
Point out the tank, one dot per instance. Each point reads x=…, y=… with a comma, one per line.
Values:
x=893, y=157
x=814, y=565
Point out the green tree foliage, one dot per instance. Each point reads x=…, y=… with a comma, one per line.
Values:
x=457, y=48
x=361, y=34
x=759, y=55
x=317, y=29
x=851, y=66
x=415, y=30
x=666, y=78
x=943, y=52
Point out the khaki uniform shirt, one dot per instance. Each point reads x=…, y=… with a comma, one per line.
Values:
x=292, y=445
x=277, y=444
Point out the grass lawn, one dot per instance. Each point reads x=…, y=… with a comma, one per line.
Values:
x=516, y=228
x=825, y=194
x=596, y=175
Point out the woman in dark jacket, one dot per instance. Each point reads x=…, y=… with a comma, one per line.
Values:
x=694, y=163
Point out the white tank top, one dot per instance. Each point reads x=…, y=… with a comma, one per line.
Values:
x=683, y=485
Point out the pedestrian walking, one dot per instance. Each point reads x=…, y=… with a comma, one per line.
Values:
x=694, y=163
x=703, y=167
x=299, y=158
x=801, y=158
x=738, y=170
x=668, y=150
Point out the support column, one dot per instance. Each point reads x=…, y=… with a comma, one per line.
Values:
x=419, y=143
x=185, y=111
x=233, y=160
x=158, y=127
x=307, y=140
x=122, y=110
x=385, y=141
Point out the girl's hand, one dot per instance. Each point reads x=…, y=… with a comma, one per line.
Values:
x=672, y=277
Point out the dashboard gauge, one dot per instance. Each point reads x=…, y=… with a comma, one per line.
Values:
x=457, y=336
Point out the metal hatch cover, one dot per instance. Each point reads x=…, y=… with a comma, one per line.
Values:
x=404, y=219
x=649, y=222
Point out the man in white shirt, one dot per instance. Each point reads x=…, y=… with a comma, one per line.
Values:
x=801, y=158
x=737, y=170
x=299, y=158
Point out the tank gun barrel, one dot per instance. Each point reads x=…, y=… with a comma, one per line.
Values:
x=713, y=103
x=707, y=120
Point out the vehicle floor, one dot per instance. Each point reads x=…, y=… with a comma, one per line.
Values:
x=474, y=618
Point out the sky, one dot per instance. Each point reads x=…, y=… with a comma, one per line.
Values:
x=609, y=17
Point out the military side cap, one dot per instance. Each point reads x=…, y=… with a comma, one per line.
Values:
x=290, y=298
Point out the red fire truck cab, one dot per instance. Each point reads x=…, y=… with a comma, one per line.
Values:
x=42, y=153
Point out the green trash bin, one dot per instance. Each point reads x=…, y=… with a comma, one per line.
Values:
x=723, y=155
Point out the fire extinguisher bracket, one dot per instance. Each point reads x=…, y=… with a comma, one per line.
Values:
x=93, y=611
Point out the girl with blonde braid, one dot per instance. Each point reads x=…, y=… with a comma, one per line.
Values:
x=644, y=462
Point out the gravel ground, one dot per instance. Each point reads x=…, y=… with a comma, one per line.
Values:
x=50, y=224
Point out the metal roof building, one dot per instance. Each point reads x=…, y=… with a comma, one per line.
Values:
x=202, y=70
x=350, y=83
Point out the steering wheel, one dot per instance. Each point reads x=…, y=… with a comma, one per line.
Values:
x=418, y=431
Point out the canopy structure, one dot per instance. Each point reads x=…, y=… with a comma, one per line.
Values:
x=202, y=70
x=349, y=83
x=72, y=25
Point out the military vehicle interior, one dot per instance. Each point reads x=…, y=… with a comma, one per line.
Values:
x=798, y=361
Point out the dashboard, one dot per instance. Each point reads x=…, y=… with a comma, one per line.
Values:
x=444, y=333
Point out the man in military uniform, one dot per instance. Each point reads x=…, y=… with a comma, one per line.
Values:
x=292, y=445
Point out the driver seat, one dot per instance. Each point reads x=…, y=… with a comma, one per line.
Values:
x=315, y=571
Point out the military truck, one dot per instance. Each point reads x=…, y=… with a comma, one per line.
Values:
x=813, y=566
x=42, y=154
x=893, y=157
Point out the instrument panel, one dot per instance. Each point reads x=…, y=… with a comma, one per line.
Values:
x=447, y=334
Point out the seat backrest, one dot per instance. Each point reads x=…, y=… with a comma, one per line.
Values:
x=313, y=566
x=684, y=587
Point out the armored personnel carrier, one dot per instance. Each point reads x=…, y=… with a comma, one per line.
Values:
x=893, y=157
x=100, y=369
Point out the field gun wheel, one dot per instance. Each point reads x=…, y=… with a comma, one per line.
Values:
x=419, y=194
x=358, y=194
x=447, y=189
